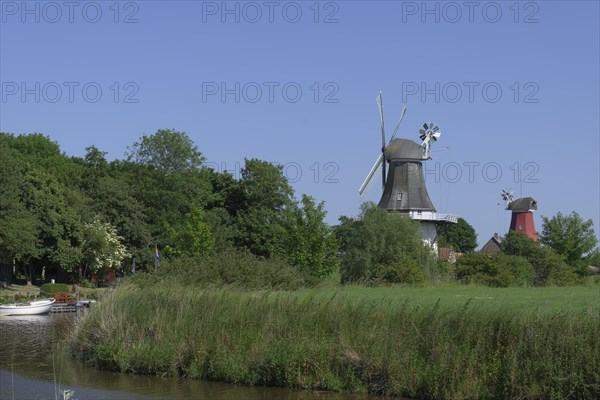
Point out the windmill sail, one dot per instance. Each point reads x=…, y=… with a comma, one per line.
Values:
x=380, y=106
x=375, y=171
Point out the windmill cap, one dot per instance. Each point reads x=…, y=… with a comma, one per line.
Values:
x=403, y=149
x=523, y=204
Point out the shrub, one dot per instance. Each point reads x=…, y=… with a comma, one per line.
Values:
x=48, y=289
x=497, y=270
x=550, y=268
x=86, y=283
x=562, y=275
x=385, y=247
x=230, y=267
x=405, y=270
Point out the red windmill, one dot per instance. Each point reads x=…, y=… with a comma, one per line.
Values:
x=522, y=214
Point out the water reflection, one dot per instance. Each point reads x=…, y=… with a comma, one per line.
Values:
x=34, y=366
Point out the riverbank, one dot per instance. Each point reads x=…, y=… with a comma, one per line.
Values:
x=343, y=341
x=15, y=293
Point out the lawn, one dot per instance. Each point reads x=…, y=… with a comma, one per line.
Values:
x=519, y=299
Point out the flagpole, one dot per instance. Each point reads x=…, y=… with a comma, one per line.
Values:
x=156, y=257
x=156, y=254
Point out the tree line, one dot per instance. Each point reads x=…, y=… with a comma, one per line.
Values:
x=85, y=216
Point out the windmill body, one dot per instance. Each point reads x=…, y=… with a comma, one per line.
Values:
x=522, y=216
x=404, y=189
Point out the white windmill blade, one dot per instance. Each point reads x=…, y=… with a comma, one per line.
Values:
x=370, y=185
x=399, y=122
x=380, y=106
x=372, y=173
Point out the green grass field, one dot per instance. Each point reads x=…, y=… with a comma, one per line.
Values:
x=515, y=299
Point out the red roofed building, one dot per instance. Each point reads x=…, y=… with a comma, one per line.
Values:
x=522, y=216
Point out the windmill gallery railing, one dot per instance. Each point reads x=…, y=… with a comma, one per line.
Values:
x=432, y=216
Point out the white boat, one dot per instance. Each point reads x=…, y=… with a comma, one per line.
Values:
x=35, y=307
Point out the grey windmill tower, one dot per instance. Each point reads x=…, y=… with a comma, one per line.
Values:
x=404, y=189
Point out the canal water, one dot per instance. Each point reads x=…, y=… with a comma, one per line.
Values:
x=33, y=366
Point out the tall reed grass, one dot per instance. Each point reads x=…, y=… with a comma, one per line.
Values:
x=467, y=351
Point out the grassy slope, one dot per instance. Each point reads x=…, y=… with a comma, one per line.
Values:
x=503, y=343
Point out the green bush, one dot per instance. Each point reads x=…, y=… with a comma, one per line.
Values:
x=385, y=247
x=496, y=270
x=549, y=266
x=15, y=299
x=231, y=267
x=48, y=289
x=405, y=270
x=562, y=275
x=86, y=283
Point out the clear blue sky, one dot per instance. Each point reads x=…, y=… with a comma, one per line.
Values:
x=165, y=64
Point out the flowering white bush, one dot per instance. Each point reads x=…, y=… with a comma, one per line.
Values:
x=102, y=248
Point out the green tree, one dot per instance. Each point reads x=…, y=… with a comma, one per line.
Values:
x=570, y=236
x=343, y=231
x=48, y=202
x=263, y=185
x=95, y=168
x=113, y=195
x=39, y=151
x=309, y=243
x=192, y=238
x=594, y=258
x=19, y=235
x=222, y=228
x=60, y=221
x=460, y=236
x=265, y=207
x=519, y=244
x=167, y=151
x=164, y=170
x=386, y=247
